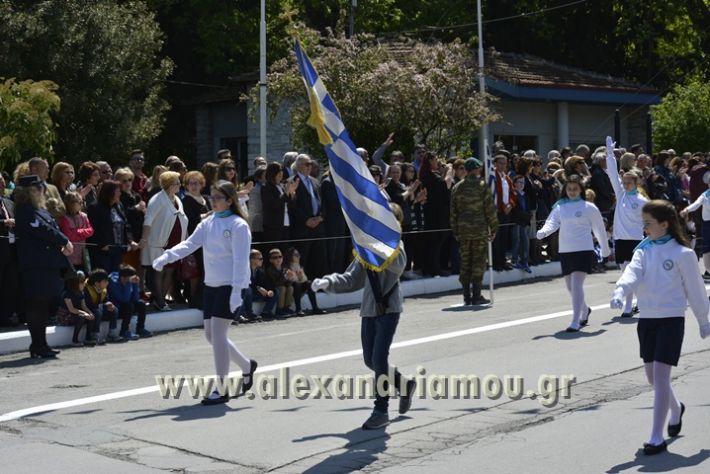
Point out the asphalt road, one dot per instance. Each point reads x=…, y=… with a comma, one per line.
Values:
x=97, y=409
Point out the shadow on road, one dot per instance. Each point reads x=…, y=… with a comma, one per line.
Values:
x=361, y=450
x=186, y=413
x=663, y=462
x=620, y=320
x=566, y=336
x=467, y=309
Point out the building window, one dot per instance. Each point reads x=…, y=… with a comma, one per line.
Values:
x=518, y=143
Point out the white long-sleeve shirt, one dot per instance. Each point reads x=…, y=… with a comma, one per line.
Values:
x=628, y=221
x=225, y=242
x=665, y=278
x=703, y=200
x=576, y=220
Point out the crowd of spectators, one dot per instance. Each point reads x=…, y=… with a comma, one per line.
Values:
x=119, y=219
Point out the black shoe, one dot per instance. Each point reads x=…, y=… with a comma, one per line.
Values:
x=635, y=309
x=405, y=401
x=42, y=353
x=247, y=385
x=300, y=312
x=318, y=311
x=467, y=302
x=482, y=300
x=376, y=421
x=584, y=322
x=651, y=449
x=674, y=430
x=627, y=315
x=571, y=329
x=215, y=400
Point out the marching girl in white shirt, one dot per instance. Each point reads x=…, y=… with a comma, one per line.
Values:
x=704, y=201
x=576, y=219
x=664, y=274
x=628, y=224
x=226, y=241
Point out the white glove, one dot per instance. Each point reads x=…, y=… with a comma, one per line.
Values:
x=705, y=330
x=235, y=299
x=160, y=262
x=539, y=235
x=610, y=145
x=320, y=284
x=617, y=299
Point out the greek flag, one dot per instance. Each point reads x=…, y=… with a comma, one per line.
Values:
x=374, y=228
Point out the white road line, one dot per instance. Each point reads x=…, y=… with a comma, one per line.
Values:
x=14, y=415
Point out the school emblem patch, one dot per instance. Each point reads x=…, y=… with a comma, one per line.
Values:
x=227, y=234
x=578, y=214
x=635, y=205
x=668, y=265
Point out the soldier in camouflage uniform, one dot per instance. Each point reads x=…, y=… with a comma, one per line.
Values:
x=474, y=224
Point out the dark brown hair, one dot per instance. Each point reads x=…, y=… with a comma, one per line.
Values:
x=664, y=211
x=229, y=191
x=574, y=179
x=106, y=191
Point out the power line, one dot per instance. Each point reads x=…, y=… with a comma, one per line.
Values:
x=429, y=29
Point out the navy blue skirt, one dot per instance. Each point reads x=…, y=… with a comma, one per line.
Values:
x=577, y=261
x=216, y=302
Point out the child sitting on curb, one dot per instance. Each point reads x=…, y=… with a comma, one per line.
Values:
x=96, y=297
x=124, y=292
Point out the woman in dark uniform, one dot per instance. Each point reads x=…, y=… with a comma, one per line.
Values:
x=42, y=252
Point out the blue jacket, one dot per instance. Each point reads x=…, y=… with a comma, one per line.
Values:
x=119, y=293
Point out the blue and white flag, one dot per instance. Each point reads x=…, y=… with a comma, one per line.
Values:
x=375, y=231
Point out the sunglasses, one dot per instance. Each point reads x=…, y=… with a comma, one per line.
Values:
x=277, y=257
x=126, y=180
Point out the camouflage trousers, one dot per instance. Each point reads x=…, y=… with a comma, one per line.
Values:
x=474, y=256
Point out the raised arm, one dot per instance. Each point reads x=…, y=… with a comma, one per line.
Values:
x=611, y=169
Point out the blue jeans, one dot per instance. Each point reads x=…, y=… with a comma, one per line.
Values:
x=376, y=334
x=520, y=244
x=249, y=296
x=100, y=312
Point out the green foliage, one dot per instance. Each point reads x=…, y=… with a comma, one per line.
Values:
x=421, y=92
x=26, y=125
x=682, y=119
x=105, y=57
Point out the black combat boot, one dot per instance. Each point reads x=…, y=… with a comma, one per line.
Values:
x=467, y=294
x=476, y=295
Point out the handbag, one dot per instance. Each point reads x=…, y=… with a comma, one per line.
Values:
x=189, y=268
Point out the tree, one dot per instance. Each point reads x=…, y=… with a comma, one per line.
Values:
x=421, y=92
x=104, y=56
x=26, y=125
x=682, y=119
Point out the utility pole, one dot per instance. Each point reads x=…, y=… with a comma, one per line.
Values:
x=262, y=81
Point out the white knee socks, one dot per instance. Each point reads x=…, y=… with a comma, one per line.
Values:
x=575, y=286
x=663, y=400
x=222, y=348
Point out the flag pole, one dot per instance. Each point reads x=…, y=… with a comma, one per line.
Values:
x=262, y=80
x=483, y=136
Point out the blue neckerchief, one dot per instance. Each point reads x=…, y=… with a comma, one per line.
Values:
x=647, y=242
x=225, y=213
x=631, y=193
x=707, y=193
x=566, y=201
